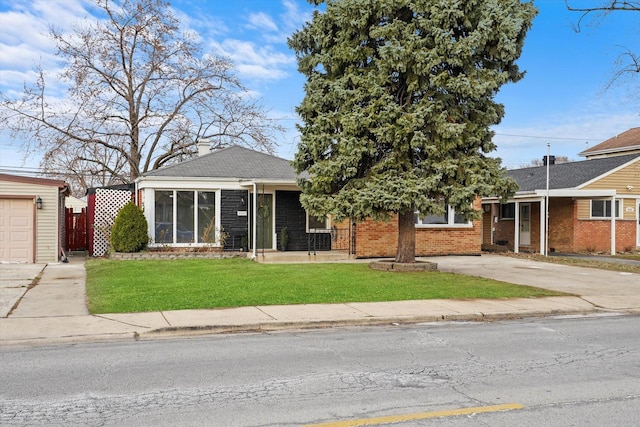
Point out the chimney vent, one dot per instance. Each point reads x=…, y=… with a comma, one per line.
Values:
x=203, y=146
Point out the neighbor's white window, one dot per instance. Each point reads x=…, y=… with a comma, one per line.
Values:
x=602, y=208
x=318, y=224
x=450, y=218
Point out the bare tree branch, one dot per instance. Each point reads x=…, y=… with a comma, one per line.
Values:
x=628, y=62
x=140, y=92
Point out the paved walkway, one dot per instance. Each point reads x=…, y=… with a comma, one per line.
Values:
x=54, y=310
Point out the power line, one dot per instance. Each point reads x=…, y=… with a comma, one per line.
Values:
x=543, y=137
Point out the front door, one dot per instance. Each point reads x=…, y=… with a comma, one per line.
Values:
x=525, y=224
x=265, y=221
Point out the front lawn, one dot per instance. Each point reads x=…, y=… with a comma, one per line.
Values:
x=136, y=286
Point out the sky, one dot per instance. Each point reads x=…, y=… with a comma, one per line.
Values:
x=562, y=100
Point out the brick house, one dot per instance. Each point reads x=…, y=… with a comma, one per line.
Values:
x=593, y=205
x=222, y=190
x=435, y=235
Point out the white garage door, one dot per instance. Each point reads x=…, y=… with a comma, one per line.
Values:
x=16, y=230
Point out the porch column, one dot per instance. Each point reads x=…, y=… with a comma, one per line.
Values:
x=254, y=220
x=613, y=225
x=543, y=227
x=516, y=234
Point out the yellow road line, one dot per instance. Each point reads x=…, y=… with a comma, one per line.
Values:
x=418, y=416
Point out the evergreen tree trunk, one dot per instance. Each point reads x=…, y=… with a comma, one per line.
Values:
x=406, y=237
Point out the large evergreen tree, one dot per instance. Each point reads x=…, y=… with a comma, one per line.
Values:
x=398, y=106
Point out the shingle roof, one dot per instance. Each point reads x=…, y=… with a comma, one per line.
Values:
x=625, y=141
x=566, y=175
x=232, y=162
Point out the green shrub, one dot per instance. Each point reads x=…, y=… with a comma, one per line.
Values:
x=129, y=232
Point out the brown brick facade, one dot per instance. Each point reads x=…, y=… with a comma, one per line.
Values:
x=380, y=239
x=562, y=214
x=567, y=233
x=594, y=235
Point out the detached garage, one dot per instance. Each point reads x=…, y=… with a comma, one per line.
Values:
x=31, y=218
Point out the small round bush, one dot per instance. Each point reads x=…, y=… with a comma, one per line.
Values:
x=129, y=232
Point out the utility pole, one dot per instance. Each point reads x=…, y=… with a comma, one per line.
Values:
x=546, y=205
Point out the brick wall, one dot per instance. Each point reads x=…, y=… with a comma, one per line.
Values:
x=594, y=235
x=380, y=239
x=562, y=213
x=567, y=233
x=505, y=232
x=377, y=238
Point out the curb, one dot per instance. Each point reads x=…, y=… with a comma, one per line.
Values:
x=327, y=324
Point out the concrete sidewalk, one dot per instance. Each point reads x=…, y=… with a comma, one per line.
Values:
x=55, y=310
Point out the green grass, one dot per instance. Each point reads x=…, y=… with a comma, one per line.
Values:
x=137, y=286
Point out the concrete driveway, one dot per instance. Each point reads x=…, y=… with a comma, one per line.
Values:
x=15, y=279
x=602, y=288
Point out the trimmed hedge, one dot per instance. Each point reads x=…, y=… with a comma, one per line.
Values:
x=129, y=232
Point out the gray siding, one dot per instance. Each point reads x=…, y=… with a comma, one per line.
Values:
x=291, y=214
x=232, y=224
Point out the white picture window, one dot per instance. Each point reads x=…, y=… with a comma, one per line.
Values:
x=185, y=217
x=602, y=209
x=449, y=219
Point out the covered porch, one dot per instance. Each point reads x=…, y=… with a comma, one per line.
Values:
x=540, y=221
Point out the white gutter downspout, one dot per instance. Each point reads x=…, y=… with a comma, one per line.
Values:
x=255, y=221
x=613, y=225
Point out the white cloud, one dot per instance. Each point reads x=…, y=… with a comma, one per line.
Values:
x=262, y=63
x=26, y=43
x=294, y=18
x=262, y=21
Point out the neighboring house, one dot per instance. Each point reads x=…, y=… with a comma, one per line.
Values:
x=593, y=205
x=75, y=204
x=31, y=218
x=626, y=143
x=211, y=200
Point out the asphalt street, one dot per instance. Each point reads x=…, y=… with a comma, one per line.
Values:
x=554, y=371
